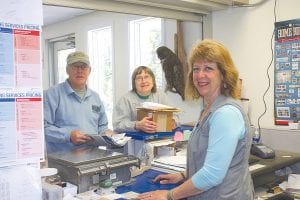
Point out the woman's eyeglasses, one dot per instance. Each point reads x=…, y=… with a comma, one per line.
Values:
x=143, y=78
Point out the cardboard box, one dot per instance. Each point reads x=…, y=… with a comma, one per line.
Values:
x=162, y=117
x=163, y=147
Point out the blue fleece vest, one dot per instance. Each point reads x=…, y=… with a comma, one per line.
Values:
x=237, y=183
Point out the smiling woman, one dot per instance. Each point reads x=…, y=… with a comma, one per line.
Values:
x=143, y=90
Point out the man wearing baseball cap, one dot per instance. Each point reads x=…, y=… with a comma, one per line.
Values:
x=72, y=111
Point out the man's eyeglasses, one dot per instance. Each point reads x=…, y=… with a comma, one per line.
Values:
x=80, y=67
x=143, y=78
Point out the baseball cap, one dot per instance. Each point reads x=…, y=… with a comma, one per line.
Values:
x=78, y=56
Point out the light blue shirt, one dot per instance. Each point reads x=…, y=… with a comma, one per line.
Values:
x=65, y=111
x=226, y=128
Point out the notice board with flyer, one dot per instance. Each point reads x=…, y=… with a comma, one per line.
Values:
x=287, y=72
x=21, y=102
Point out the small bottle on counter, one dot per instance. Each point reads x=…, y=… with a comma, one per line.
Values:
x=256, y=137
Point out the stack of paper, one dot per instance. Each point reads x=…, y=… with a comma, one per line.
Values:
x=177, y=163
x=152, y=105
x=117, y=140
x=157, y=106
x=293, y=184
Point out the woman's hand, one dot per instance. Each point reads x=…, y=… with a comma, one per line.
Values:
x=146, y=125
x=168, y=178
x=155, y=195
x=174, y=124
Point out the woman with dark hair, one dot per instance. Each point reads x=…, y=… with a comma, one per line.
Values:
x=143, y=90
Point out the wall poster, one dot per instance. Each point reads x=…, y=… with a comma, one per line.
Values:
x=21, y=101
x=287, y=72
x=21, y=113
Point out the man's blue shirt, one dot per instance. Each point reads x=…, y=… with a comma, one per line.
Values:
x=65, y=111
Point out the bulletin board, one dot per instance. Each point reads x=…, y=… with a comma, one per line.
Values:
x=21, y=104
x=287, y=72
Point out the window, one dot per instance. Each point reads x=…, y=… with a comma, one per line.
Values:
x=145, y=38
x=101, y=80
x=62, y=62
x=59, y=49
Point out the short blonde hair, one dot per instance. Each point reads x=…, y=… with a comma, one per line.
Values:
x=213, y=51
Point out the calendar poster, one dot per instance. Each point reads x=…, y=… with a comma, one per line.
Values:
x=287, y=72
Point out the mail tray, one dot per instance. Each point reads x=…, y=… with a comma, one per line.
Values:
x=87, y=167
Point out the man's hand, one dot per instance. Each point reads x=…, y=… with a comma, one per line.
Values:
x=109, y=133
x=77, y=137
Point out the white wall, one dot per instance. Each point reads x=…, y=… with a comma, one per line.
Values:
x=285, y=140
x=190, y=110
x=247, y=34
x=81, y=25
